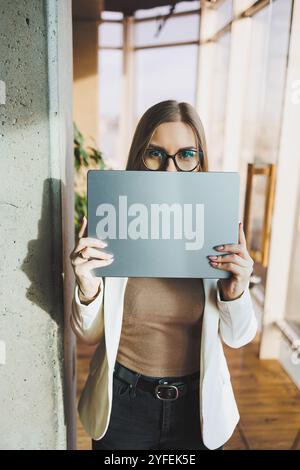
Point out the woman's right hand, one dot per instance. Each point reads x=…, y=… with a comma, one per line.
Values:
x=85, y=249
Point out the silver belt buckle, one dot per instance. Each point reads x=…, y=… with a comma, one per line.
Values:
x=157, y=391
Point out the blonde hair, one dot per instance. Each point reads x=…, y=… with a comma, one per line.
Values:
x=165, y=111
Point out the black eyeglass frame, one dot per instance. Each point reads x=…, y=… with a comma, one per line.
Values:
x=165, y=157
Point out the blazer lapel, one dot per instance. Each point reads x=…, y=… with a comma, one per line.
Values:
x=113, y=315
x=210, y=325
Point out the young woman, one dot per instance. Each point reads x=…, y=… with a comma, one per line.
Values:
x=159, y=378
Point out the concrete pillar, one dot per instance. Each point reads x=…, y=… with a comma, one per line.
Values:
x=36, y=225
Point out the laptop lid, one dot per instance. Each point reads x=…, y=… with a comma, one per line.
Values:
x=162, y=224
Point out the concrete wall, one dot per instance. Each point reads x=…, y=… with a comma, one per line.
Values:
x=36, y=231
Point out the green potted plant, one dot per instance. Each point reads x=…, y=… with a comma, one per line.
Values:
x=84, y=157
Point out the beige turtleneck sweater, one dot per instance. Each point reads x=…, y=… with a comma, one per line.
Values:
x=161, y=329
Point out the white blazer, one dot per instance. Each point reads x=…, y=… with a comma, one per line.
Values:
x=234, y=322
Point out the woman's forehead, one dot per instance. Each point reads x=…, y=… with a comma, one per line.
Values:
x=174, y=135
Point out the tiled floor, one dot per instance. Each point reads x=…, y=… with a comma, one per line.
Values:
x=269, y=403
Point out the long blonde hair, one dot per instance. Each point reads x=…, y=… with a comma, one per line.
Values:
x=165, y=111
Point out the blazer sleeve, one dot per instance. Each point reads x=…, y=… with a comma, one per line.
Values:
x=87, y=321
x=238, y=322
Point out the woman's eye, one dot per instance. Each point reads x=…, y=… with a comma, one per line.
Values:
x=188, y=153
x=154, y=153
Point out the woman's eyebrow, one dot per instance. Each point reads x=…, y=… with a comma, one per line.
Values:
x=162, y=148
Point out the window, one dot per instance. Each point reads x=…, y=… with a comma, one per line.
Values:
x=111, y=35
x=177, y=29
x=264, y=97
x=219, y=76
x=169, y=72
x=177, y=66
x=111, y=15
x=163, y=68
x=224, y=14
x=293, y=295
x=110, y=73
x=164, y=10
x=267, y=69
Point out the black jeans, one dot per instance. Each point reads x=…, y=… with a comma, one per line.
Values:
x=139, y=420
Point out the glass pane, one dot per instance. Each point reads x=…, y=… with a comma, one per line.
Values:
x=222, y=14
x=176, y=65
x=187, y=6
x=220, y=79
x=182, y=28
x=265, y=87
x=255, y=84
x=267, y=69
x=111, y=34
x=293, y=294
x=152, y=12
x=164, y=10
x=111, y=15
x=110, y=72
x=270, y=119
x=264, y=93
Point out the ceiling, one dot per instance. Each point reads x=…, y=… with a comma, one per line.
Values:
x=91, y=9
x=128, y=7
x=87, y=9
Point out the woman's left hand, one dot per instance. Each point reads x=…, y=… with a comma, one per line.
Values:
x=239, y=263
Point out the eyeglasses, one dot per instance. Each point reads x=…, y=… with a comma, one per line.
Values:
x=184, y=160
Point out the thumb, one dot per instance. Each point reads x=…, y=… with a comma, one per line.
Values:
x=83, y=228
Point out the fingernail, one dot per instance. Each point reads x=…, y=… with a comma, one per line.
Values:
x=221, y=247
x=213, y=257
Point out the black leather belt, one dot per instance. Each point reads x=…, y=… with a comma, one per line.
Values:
x=163, y=388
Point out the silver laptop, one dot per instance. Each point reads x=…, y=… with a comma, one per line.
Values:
x=162, y=224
